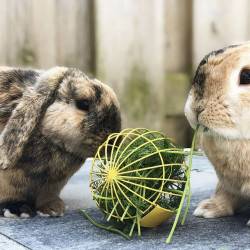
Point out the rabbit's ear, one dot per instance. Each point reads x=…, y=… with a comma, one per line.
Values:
x=27, y=115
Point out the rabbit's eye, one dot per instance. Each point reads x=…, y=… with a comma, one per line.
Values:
x=245, y=77
x=82, y=105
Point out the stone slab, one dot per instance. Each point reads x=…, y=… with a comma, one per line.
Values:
x=73, y=231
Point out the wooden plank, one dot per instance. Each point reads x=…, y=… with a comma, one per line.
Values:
x=27, y=32
x=217, y=24
x=75, y=34
x=13, y=31
x=129, y=56
x=3, y=38
x=178, y=36
x=42, y=32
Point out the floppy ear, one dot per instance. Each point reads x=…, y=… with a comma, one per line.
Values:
x=27, y=114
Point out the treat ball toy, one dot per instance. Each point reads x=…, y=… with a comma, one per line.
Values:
x=138, y=177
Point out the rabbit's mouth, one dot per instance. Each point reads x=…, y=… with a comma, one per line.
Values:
x=205, y=129
x=208, y=130
x=219, y=132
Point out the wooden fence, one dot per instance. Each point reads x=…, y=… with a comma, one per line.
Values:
x=146, y=50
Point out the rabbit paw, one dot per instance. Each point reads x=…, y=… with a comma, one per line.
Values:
x=213, y=208
x=17, y=209
x=54, y=208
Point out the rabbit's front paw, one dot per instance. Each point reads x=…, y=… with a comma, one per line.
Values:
x=213, y=208
x=54, y=208
x=17, y=209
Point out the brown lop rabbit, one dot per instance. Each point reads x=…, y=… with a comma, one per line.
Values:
x=219, y=101
x=50, y=122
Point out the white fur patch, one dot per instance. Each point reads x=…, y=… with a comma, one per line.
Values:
x=53, y=214
x=189, y=113
x=200, y=212
x=39, y=213
x=56, y=214
x=8, y=214
x=24, y=215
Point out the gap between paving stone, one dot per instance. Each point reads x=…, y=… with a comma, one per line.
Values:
x=7, y=243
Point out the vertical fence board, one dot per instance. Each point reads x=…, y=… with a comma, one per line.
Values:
x=3, y=38
x=217, y=24
x=129, y=55
x=42, y=32
x=74, y=34
x=120, y=35
x=178, y=35
x=13, y=31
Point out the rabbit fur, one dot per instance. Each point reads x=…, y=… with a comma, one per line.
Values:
x=219, y=100
x=50, y=122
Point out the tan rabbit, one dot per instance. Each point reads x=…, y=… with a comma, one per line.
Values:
x=51, y=121
x=219, y=101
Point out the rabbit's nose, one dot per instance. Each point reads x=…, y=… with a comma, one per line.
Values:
x=199, y=110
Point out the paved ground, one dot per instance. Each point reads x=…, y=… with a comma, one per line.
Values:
x=73, y=231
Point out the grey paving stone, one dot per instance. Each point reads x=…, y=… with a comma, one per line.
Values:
x=73, y=231
x=8, y=244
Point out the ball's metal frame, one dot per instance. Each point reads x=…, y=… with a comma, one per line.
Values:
x=115, y=177
x=111, y=176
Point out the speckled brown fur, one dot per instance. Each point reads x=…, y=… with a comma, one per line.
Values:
x=45, y=137
x=221, y=105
